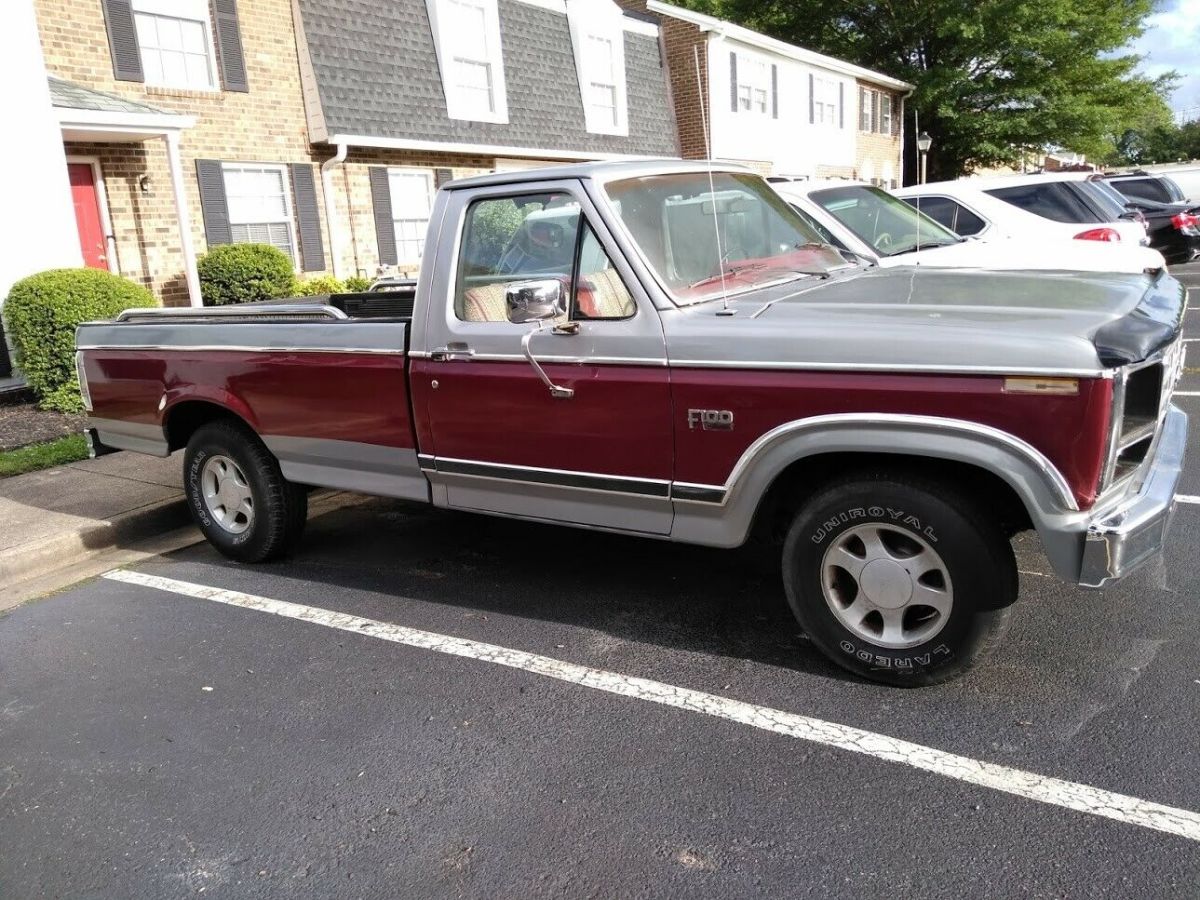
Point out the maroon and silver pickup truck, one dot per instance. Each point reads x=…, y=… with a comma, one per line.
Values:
x=664, y=350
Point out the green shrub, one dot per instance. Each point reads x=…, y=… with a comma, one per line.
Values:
x=243, y=273
x=356, y=284
x=320, y=284
x=43, y=311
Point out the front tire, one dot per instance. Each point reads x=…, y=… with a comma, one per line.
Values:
x=238, y=496
x=898, y=580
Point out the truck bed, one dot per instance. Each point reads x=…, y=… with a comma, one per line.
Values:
x=327, y=392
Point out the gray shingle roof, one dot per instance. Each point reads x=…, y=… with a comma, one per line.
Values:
x=67, y=95
x=377, y=74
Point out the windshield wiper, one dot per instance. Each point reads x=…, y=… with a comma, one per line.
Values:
x=922, y=245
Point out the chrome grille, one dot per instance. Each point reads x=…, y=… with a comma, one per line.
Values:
x=1141, y=395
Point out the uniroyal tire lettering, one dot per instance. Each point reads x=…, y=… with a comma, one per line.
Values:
x=875, y=512
x=194, y=492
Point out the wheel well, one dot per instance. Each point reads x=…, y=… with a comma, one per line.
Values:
x=804, y=477
x=184, y=419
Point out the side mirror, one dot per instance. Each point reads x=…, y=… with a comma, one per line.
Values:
x=535, y=301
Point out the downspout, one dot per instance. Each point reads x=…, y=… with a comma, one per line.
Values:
x=331, y=220
x=903, y=112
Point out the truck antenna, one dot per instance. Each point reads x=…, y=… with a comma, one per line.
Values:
x=711, y=186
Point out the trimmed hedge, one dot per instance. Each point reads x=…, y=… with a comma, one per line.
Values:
x=320, y=284
x=42, y=312
x=356, y=284
x=243, y=273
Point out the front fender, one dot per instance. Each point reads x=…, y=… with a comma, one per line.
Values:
x=724, y=519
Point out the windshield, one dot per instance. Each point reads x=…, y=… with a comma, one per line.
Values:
x=706, y=235
x=884, y=222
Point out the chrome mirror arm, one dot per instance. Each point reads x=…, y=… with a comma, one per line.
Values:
x=561, y=393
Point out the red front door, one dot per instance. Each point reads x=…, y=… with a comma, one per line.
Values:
x=84, y=193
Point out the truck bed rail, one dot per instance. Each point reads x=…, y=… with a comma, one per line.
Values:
x=290, y=312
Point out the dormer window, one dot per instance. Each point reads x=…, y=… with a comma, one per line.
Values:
x=598, y=41
x=466, y=34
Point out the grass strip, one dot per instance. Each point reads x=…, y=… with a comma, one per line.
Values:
x=71, y=448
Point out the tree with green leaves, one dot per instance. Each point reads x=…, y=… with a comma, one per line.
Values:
x=996, y=80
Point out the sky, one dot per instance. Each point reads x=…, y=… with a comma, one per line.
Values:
x=1172, y=41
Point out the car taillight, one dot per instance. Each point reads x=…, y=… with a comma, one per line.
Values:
x=1099, y=234
x=1186, y=221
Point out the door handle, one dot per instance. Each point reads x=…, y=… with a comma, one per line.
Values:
x=455, y=351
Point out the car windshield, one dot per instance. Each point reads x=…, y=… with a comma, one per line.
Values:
x=706, y=235
x=884, y=222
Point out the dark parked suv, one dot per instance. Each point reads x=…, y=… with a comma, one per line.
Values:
x=1173, y=227
x=1147, y=186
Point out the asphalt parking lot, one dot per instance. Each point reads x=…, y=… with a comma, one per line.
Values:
x=426, y=704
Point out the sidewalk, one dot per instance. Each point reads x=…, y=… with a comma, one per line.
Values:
x=56, y=518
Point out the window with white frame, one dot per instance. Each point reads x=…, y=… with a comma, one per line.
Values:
x=598, y=42
x=412, y=200
x=825, y=100
x=175, y=41
x=260, y=205
x=885, y=113
x=753, y=86
x=467, y=38
x=875, y=112
x=866, y=110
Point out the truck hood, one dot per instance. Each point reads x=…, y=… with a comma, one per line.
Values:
x=934, y=319
x=1018, y=253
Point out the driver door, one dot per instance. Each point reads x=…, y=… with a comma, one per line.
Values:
x=587, y=439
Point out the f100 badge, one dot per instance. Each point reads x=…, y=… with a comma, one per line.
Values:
x=710, y=419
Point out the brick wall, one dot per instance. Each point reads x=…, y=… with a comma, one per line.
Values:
x=265, y=125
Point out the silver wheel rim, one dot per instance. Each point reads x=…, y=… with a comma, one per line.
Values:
x=227, y=494
x=887, y=585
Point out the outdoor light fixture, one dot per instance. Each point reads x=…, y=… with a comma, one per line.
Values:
x=145, y=185
x=924, y=142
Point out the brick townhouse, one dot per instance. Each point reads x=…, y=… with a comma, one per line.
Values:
x=324, y=126
x=741, y=96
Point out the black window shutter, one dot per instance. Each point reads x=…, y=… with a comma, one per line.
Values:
x=213, y=206
x=878, y=112
x=385, y=228
x=841, y=105
x=229, y=45
x=122, y=40
x=308, y=219
x=733, y=100
x=441, y=176
x=863, y=112
x=774, y=91
x=812, y=100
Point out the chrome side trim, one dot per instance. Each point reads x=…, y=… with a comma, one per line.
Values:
x=885, y=367
x=618, y=484
x=907, y=422
x=427, y=461
x=684, y=492
x=240, y=348
x=239, y=311
x=656, y=362
x=350, y=466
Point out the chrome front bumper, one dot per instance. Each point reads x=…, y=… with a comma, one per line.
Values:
x=1123, y=537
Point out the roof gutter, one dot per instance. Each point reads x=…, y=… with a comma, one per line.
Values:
x=331, y=220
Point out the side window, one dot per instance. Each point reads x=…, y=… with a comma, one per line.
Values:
x=599, y=291
x=940, y=209
x=511, y=239
x=535, y=238
x=967, y=223
x=1050, y=200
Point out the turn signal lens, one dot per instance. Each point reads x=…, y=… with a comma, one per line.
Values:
x=1099, y=234
x=1061, y=386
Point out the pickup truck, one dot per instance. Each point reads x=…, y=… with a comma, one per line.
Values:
x=665, y=349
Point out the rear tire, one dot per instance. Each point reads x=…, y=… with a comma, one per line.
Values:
x=238, y=496
x=899, y=580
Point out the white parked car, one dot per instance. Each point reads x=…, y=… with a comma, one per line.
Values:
x=1035, y=207
x=874, y=225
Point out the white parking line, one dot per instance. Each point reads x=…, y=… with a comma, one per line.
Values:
x=1186, y=394
x=1187, y=498
x=1067, y=794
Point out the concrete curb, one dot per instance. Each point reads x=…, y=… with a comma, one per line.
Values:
x=38, y=558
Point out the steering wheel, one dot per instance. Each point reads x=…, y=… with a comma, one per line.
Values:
x=883, y=240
